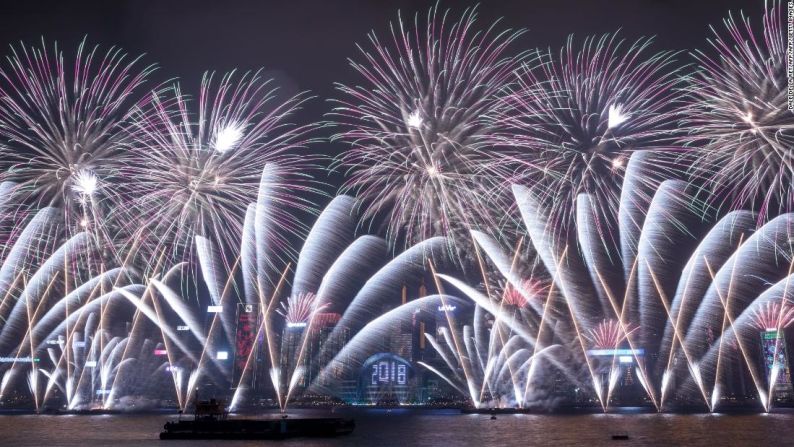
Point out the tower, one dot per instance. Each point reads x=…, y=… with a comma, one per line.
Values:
x=773, y=350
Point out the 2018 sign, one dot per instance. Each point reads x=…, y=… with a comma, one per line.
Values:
x=389, y=371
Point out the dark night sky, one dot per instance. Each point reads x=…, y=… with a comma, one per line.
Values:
x=308, y=42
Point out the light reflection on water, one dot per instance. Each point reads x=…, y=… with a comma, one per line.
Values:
x=405, y=428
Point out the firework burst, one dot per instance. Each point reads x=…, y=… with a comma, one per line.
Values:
x=530, y=290
x=298, y=309
x=418, y=156
x=202, y=168
x=608, y=334
x=738, y=116
x=63, y=125
x=772, y=316
x=575, y=118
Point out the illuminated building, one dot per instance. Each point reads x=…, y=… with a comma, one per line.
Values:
x=245, y=340
x=617, y=369
x=773, y=350
x=291, y=342
x=322, y=347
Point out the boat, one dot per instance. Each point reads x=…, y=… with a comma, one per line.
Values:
x=211, y=421
x=620, y=437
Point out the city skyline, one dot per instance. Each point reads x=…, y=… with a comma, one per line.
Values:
x=457, y=212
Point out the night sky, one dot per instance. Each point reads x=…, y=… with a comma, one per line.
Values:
x=305, y=44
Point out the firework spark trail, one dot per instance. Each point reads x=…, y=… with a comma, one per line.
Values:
x=669, y=223
x=45, y=328
x=513, y=297
x=738, y=118
x=390, y=277
x=527, y=292
x=694, y=282
x=776, y=316
x=476, y=236
x=452, y=325
x=32, y=292
x=208, y=342
x=267, y=309
x=544, y=317
x=418, y=155
x=572, y=120
x=18, y=257
x=728, y=311
x=755, y=262
x=51, y=296
x=330, y=233
x=493, y=308
x=674, y=325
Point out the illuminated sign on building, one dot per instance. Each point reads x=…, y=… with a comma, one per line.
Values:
x=297, y=324
x=245, y=339
x=389, y=371
x=446, y=308
x=18, y=359
x=222, y=355
x=773, y=348
x=90, y=364
x=214, y=309
x=385, y=374
x=182, y=328
x=616, y=352
x=160, y=352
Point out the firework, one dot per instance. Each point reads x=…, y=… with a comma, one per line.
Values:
x=418, y=155
x=738, y=117
x=63, y=125
x=297, y=310
x=528, y=290
x=574, y=118
x=57, y=308
x=608, y=334
x=774, y=316
x=668, y=293
x=202, y=163
x=338, y=287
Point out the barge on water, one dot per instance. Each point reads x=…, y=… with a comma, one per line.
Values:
x=211, y=422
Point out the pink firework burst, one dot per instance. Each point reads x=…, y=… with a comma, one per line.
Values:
x=205, y=160
x=64, y=120
x=608, y=334
x=418, y=156
x=299, y=309
x=737, y=115
x=774, y=316
x=573, y=118
x=531, y=290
